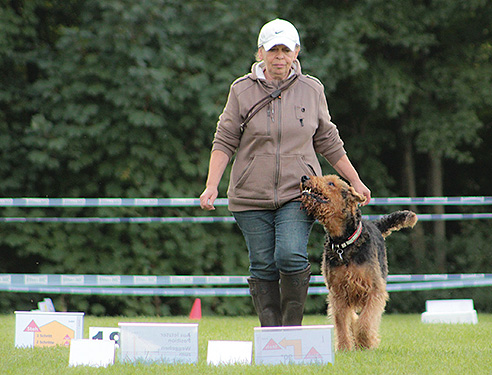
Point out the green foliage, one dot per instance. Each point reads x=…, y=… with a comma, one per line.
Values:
x=120, y=99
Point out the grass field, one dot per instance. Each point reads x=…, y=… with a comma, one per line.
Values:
x=407, y=347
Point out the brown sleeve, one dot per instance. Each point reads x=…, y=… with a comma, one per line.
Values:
x=327, y=140
x=228, y=135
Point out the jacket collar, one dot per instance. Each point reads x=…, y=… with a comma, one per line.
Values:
x=258, y=74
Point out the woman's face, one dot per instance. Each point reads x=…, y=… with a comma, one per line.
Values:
x=278, y=61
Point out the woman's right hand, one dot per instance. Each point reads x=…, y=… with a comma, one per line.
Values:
x=208, y=197
x=217, y=165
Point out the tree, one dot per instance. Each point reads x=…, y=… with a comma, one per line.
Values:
x=123, y=104
x=120, y=99
x=413, y=78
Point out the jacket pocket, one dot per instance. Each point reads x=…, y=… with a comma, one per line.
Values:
x=256, y=180
x=301, y=114
x=261, y=124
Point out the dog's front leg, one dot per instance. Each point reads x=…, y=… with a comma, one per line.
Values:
x=343, y=318
x=367, y=331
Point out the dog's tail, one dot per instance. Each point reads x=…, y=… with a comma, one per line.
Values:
x=396, y=221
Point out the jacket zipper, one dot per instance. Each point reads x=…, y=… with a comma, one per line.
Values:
x=277, y=161
x=270, y=119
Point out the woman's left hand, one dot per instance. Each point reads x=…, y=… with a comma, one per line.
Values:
x=363, y=190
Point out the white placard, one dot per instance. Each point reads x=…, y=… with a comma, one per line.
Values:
x=44, y=329
x=96, y=353
x=294, y=345
x=158, y=342
x=450, y=311
x=229, y=352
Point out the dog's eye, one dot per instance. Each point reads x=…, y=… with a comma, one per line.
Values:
x=331, y=183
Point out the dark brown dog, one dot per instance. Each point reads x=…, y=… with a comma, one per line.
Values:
x=354, y=261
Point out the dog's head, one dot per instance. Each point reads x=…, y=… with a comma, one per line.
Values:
x=329, y=198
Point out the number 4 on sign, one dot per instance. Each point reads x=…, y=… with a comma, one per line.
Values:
x=105, y=333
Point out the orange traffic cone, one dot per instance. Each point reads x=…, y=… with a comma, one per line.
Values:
x=196, y=310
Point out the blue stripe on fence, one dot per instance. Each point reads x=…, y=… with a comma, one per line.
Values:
x=195, y=202
x=205, y=219
x=163, y=292
x=419, y=286
x=104, y=202
x=68, y=280
x=228, y=292
x=115, y=284
x=117, y=280
x=446, y=217
x=119, y=220
x=432, y=285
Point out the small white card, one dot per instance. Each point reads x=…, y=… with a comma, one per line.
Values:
x=229, y=352
x=95, y=353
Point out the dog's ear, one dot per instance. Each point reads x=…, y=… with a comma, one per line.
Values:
x=356, y=197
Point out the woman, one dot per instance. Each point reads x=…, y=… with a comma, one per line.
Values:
x=275, y=121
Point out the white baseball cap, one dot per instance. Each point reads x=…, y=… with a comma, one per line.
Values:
x=278, y=32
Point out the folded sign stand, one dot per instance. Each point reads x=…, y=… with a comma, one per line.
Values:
x=45, y=329
x=450, y=311
x=294, y=345
x=158, y=342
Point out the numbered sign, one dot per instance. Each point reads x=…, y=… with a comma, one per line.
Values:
x=105, y=333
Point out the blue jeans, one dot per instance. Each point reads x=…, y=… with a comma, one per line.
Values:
x=277, y=240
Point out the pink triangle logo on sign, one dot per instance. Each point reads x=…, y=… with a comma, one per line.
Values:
x=272, y=345
x=32, y=327
x=313, y=354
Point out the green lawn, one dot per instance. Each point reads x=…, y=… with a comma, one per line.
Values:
x=407, y=347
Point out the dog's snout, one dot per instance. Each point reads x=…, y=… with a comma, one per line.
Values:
x=304, y=179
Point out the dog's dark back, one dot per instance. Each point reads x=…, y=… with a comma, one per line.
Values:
x=374, y=236
x=370, y=247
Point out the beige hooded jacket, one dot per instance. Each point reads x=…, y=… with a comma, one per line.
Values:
x=280, y=143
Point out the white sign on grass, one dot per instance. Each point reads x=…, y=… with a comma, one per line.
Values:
x=158, y=342
x=229, y=352
x=294, y=345
x=46, y=329
x=91, y=353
